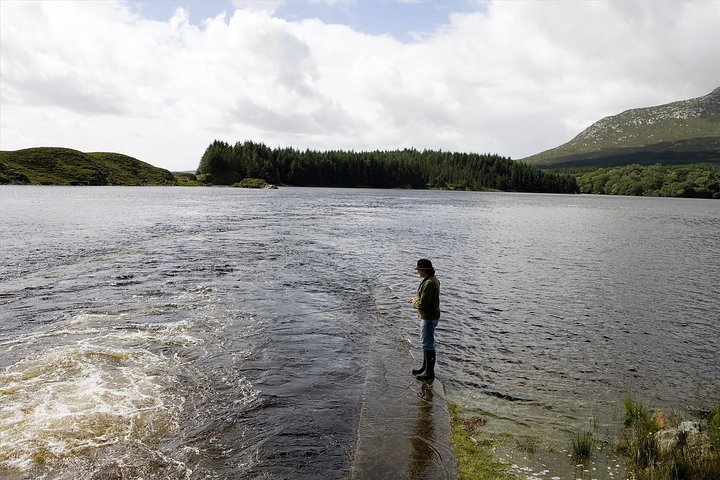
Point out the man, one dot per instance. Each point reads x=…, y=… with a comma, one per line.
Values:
x=427, y=303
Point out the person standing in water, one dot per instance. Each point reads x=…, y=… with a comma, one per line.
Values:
x=427, y=303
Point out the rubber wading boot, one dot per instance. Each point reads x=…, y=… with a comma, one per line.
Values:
x=429, y=372
x=418, y=371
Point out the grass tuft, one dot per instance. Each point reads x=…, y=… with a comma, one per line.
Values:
x=582, y=445
x=635, y=411
x=528, y=444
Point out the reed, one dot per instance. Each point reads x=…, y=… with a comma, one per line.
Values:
x=582, y=445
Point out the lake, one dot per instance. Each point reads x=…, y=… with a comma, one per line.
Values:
x=222, y=333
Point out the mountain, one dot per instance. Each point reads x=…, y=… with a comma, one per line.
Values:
x=64, y=166
x=677, y=133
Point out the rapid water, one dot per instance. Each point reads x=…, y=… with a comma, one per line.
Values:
x=223, y=333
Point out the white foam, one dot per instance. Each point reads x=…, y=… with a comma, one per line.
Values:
x=72, y=398
x=102, y=387
x=99, y=385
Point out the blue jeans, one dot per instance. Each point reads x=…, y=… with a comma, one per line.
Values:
x=427, y=334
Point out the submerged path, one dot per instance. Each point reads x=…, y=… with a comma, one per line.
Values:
x=404, y=428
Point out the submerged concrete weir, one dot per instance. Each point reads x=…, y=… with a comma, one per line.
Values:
x=404, y=428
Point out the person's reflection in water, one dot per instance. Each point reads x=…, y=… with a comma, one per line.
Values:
x=422, y=441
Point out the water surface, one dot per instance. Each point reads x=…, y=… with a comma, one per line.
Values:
x=223, y=333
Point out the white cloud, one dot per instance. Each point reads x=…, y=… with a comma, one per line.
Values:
x=269, y=6
x=514, y=79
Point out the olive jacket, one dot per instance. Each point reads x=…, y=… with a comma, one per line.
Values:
x=428, y=298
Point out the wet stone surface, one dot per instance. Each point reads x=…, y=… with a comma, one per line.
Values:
x=404, y=428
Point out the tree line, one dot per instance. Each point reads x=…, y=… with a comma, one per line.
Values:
x=225, y=164
x=691, y=181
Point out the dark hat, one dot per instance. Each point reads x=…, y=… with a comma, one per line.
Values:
x=424, y=264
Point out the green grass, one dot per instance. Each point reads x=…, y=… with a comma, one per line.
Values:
x=124, y=170
x=635, y=411
x=64, y=166
x=475, y=459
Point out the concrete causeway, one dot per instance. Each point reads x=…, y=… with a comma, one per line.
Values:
x=404, y=428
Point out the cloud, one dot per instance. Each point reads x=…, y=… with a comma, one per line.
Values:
x=268, y=6
x=514, y=78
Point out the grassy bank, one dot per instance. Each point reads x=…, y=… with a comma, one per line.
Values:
x=668, y=446
x=644, y=444
x=474, y=457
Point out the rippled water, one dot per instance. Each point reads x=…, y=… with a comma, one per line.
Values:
x=222, y=333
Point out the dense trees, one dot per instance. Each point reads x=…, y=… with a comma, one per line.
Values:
x=226, y=164
x=698, y=181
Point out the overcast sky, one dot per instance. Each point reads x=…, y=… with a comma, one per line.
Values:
x=160, y=80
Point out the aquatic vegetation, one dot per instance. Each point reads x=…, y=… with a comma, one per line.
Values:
x=475, y=459
x=582, y=445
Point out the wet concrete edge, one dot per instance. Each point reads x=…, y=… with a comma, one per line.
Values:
x=404, y=427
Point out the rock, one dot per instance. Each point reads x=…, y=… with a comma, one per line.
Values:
x=667, y=440
x=687, y=435
x=689, y=427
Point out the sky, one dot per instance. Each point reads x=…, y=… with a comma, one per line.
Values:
x=160, y=80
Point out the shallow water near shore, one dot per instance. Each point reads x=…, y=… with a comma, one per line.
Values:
x=223, y=333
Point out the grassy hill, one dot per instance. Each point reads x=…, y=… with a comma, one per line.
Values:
x=64, y=166
x=678, y=133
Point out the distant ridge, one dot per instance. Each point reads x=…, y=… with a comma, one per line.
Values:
x=65, y=166
x=682, y=132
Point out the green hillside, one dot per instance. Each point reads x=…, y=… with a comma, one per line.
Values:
x=64, y=166
x=678, y=133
